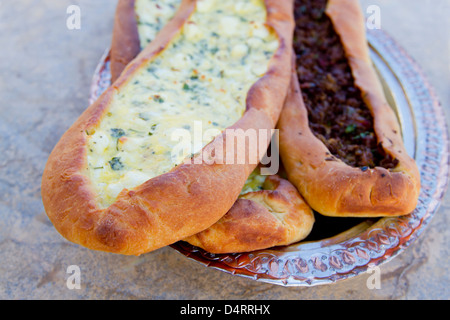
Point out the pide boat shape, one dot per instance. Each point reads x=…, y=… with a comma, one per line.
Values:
x=270, y=211
x=340, y=141
x=113, y=182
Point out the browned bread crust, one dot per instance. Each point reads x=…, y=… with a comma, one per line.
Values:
x=125, y=44
x=330, y=186
x=275, y=216
x=175, y=205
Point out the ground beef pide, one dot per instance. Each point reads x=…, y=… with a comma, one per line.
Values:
x=337, y=114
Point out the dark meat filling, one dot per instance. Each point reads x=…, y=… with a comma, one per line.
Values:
x=337, y=114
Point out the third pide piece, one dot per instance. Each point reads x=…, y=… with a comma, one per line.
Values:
x=340, y=141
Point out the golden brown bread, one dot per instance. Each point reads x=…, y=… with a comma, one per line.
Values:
x=330, y=186
x=174, y=205
x=125, y=44
x=275, y=216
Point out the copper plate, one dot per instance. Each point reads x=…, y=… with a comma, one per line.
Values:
x=357, y=245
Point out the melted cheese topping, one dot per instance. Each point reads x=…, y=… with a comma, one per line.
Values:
x=152, y=16
x=255, y=182
x=200, y=80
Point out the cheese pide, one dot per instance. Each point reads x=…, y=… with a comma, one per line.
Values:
x=340, y=141
x=269, y=211
x=201, y=79
x=114, y=183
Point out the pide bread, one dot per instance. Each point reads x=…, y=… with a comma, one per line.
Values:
x=153, y=162
x=340, y=141
x=113, y=181
x=270, y=211
x=273, y=215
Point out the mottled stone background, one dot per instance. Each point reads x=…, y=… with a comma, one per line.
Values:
x=46, y=71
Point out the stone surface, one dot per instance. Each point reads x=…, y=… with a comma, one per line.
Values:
x=46, y=71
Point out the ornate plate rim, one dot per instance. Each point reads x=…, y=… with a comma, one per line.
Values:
x=367, y=245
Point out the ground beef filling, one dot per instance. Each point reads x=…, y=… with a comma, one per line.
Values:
x=337, y=114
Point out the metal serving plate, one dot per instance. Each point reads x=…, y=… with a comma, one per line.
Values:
x=341, y=248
